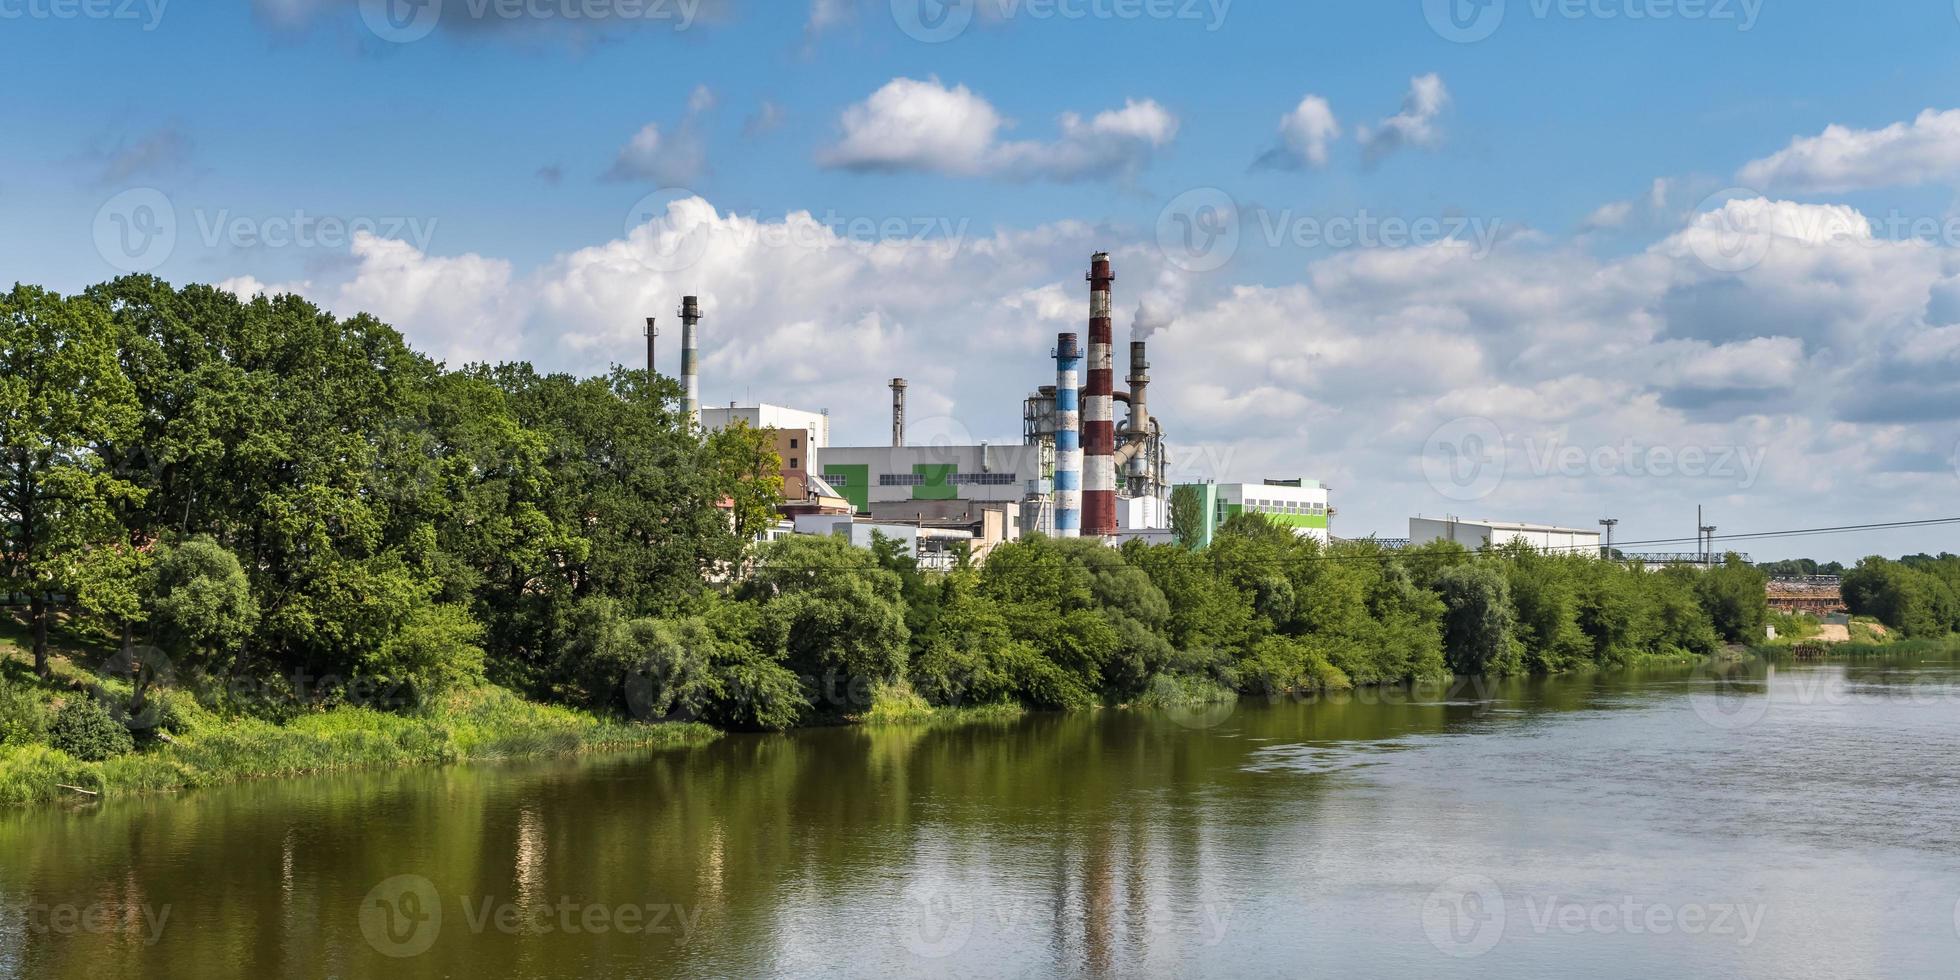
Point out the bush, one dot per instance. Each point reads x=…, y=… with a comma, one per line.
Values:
x=85, y=730
x=23, y=716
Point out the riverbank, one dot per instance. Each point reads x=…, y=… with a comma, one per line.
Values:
x=196, y=748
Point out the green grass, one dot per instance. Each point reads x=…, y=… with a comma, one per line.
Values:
x=900, y=706
x=484, y=724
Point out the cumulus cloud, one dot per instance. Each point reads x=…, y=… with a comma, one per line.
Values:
x=1304, y=136
x=670, y=158
x=1924, y=151
x=925, y=126
x=1414, y=126
x=1833, y=361
x=1609, y=216
x=470, y=20
x=766, y=118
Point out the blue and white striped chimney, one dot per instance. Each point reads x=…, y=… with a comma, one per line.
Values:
x=1068, y=436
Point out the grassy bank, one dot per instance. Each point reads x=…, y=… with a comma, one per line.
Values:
x=202, y=748
x=899, y=705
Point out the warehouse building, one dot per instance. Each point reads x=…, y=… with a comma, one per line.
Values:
x=1477, y=535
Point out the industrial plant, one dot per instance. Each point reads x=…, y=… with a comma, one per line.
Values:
x=1084, y=467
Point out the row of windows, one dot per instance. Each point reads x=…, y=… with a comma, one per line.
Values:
x=958, y=480
x=1277, y=507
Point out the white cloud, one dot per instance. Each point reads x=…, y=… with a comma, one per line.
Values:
x=247, y=287
x=1304, y=136
x=1821, y=356
x=1924, y=151
x=670, y=158
x=1415, y=125
x=1609, y=216
x=924, y=126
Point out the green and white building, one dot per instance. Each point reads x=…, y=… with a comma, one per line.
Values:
x=1299, y=504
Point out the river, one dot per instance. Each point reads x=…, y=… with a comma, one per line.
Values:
x=1796, y=822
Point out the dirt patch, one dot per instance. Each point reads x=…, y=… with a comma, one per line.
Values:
x=1832, y=633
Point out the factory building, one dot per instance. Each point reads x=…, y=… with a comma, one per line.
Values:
x=1303, y=505
x=1477, y=535
x=1080, y=470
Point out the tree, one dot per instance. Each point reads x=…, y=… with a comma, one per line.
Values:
x=1187, y=515
x=1478, y=625
x=749, y=473
x=63, y=396
x=836, y=617
x=201, y=603
x=1736, y=598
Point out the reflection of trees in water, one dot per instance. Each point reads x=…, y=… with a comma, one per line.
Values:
x=1110, y=833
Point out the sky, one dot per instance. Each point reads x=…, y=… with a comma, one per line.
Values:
x=1530, y=260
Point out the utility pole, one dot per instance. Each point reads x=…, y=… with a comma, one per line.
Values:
x=1708, y=549
x=1609, y=523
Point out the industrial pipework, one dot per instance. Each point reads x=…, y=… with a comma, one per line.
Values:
x=1099, y=407
x=898, y=413
x=1068, y=436
x=691, y=358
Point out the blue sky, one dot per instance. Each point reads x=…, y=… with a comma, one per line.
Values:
x=501, y=157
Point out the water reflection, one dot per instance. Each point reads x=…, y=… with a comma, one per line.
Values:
x=1285, y=838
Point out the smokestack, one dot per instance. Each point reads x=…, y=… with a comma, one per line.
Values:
x=1139, y=406
x=898, y=413
x=691, y=357
x=1068, y=437
x=653, y=333
x=1099, y=407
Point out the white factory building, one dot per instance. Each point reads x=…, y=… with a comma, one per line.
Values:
x=1476, y=535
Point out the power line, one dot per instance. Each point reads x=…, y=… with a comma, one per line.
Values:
x=1497, y=551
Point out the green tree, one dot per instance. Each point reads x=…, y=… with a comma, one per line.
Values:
x=1479, y=623
x=749, y=473
x=1736, y=598
x=202, y=604
x=63, y=397
x=836, y=617
x=1187, y=515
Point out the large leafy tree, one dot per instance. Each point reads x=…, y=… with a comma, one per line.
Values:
x=63, y=398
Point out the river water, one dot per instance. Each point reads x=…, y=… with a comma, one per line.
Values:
x=1796, y=822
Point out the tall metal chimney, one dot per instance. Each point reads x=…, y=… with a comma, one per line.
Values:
x=1139, y=408
x=691, y=357
x=1099, y=407
x=898, y=413
x=1068, y=436
x=653, y=334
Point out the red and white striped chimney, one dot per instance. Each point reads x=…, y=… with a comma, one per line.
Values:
x=1099, y=408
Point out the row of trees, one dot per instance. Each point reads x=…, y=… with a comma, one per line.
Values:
x=1919, y=595
x=261, y=487
x=265, y=491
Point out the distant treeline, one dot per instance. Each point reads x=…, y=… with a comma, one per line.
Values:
x=267, y=493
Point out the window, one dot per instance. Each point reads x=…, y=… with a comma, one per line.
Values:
x=837, y=480
x=792, y=444
x=986, y=479
x=794, y=464
x=901, y=480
